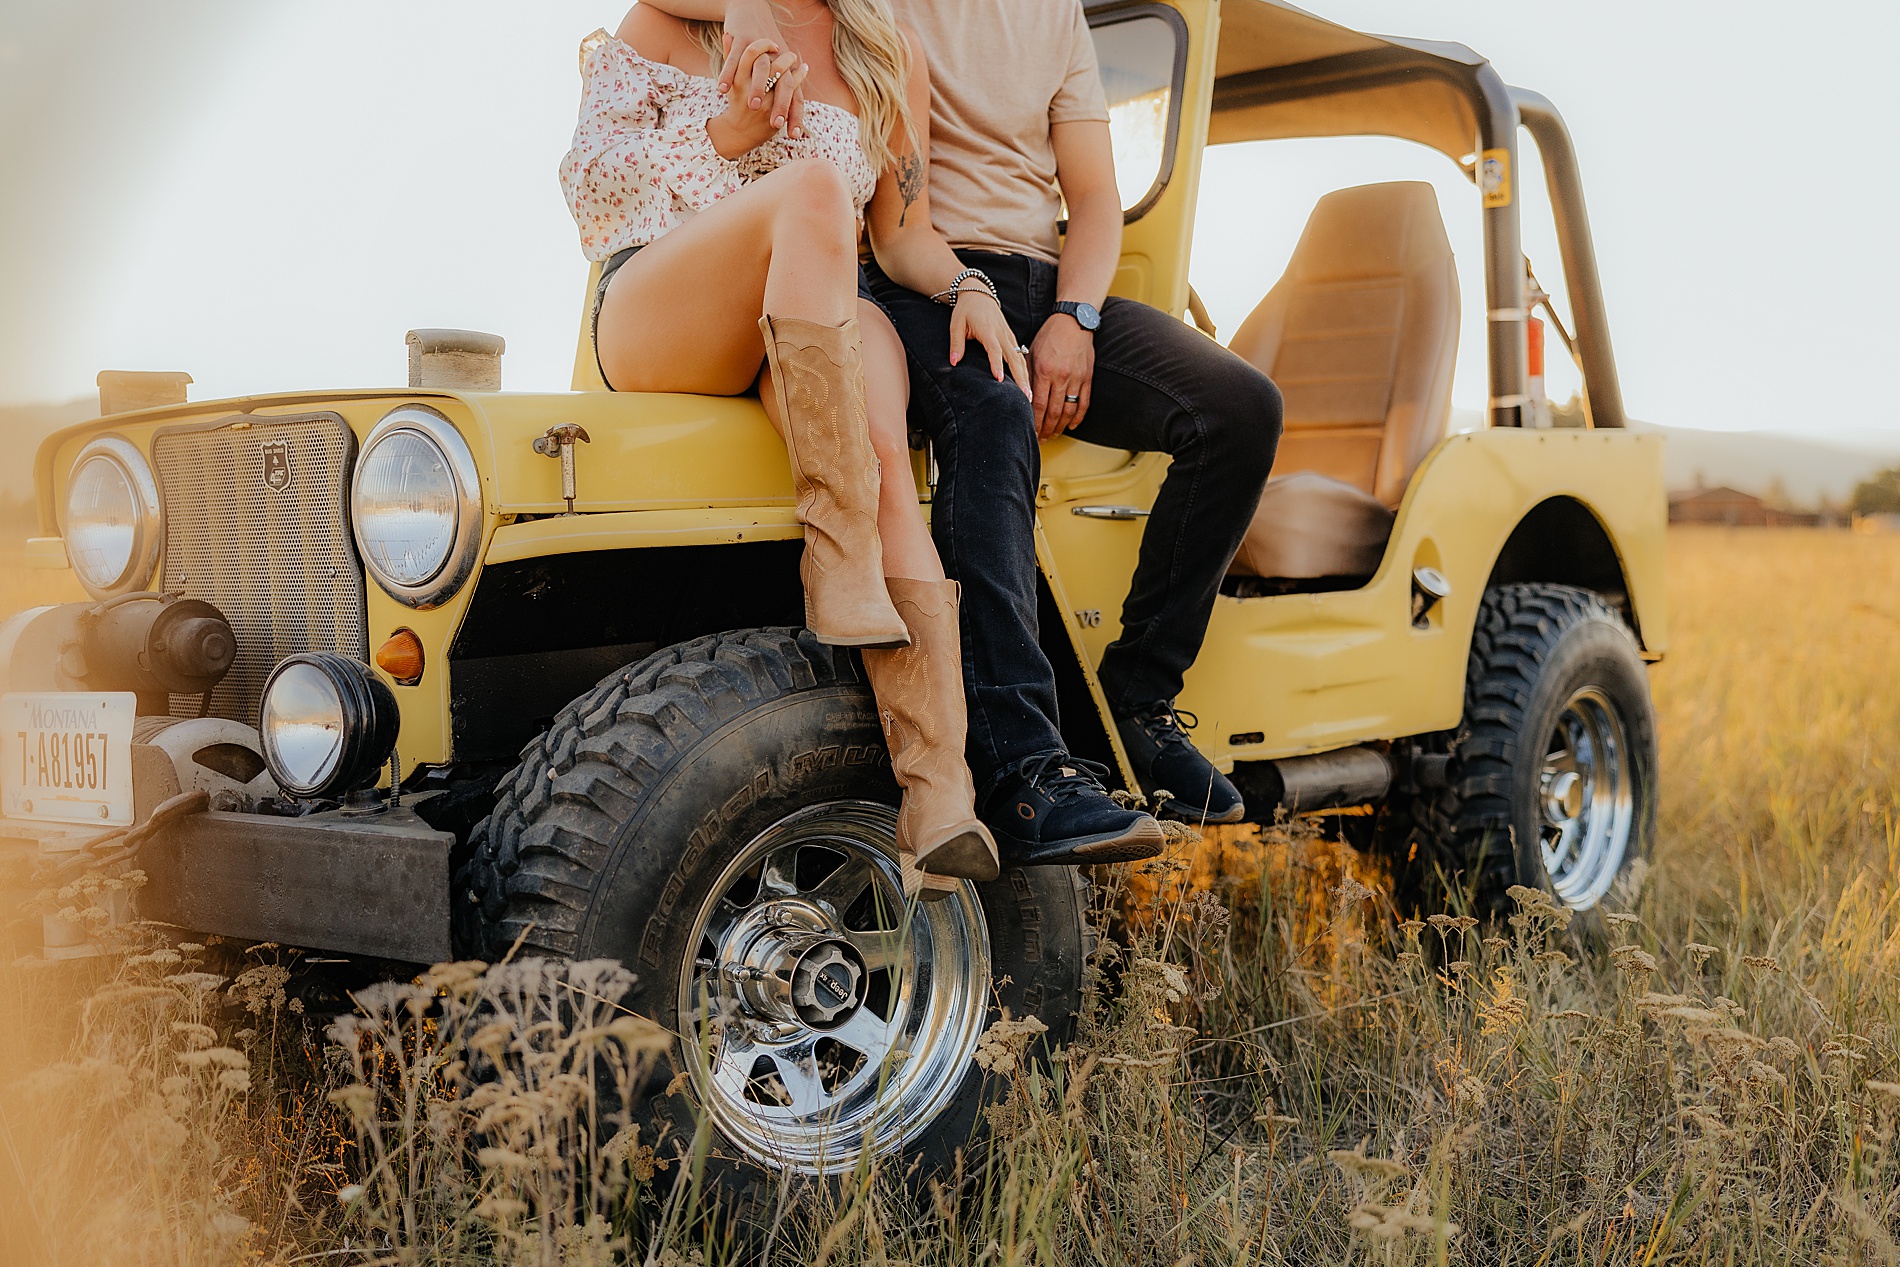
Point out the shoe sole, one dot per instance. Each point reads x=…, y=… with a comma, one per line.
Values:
x=922, y=885
x=968, y=855
x=1176, y=812
x=1142, y=840
x=869, y=642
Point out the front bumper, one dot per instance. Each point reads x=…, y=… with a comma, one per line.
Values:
x=373, y=885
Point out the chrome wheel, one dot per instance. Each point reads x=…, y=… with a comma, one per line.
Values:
x=1586, y=798
x=821, y=1015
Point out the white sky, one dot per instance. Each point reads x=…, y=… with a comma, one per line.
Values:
x=269, y=194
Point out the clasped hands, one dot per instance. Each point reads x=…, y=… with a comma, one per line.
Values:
x=762, y=84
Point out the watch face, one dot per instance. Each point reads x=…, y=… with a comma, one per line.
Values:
x=1085, y=315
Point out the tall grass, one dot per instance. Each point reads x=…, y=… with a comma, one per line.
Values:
x=1284, y=1070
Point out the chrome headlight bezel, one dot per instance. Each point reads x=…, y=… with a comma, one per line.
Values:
x=465, y=542
x=148, y=535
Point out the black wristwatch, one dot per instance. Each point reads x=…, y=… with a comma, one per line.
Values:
x=1085, y=315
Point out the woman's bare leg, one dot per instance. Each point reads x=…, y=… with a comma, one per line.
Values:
x=683, y=314
x=770, y=273
x=677, y=318
x=908, y=549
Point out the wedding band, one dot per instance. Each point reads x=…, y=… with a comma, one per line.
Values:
x=771, y=80
x=1023, y=348
x=1073, y=400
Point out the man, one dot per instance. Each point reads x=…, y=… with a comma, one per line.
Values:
x=1017, y=112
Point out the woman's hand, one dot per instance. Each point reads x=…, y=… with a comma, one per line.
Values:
x=747, y=22
x=744, y=127
x=979, y=317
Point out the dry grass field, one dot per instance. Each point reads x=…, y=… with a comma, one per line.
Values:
x=1285, y=1071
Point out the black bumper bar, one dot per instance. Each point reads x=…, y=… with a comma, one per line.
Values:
x=373, y=885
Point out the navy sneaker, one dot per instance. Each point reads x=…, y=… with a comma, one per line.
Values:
x=1164, y=760
x=1053, y=810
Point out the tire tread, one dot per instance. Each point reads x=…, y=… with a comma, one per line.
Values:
x=534, y=863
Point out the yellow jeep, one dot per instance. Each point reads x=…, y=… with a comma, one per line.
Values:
x=593, y=727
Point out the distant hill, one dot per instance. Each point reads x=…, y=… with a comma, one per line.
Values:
x=1809, y=471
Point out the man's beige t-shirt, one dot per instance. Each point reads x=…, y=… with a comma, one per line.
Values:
x=1001, y=72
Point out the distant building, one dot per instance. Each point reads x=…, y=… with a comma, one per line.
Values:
x=1735, y=509
x=1877, y=524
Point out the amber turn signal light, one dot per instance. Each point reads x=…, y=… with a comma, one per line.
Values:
x=401, y=657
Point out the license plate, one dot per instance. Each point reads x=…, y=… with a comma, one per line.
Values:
x=67, y=756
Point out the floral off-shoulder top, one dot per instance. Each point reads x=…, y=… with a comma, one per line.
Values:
x=641, y=163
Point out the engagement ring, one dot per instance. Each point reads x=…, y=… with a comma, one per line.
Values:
x=771, y=80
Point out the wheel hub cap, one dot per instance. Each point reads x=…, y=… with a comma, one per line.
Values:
x=788, y=969
x=1563, y=796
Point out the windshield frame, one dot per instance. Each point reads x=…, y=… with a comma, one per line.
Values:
x=1171, y=138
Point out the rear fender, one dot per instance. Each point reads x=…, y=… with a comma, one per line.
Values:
x=1562, y=542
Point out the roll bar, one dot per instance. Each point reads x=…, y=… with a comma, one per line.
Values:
x=1506, y=288
x=1602, y=391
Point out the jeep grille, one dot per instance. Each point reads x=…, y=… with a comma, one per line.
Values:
x=256, y=523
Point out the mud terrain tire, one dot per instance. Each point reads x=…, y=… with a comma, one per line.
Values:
x=1540, y=655
x=611, y=833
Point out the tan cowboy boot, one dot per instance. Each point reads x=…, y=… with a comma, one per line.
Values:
x=818, y=377
x=920, y=703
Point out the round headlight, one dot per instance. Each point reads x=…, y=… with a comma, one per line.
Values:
x=113, y=526
x=415, y=504
x=328, y=724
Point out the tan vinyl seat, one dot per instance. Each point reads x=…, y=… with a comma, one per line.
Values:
x=1361, y=335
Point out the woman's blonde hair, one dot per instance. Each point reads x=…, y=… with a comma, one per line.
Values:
x=873, y=60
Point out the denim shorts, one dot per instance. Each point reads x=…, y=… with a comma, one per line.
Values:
x=607, y=272
x=620, y=257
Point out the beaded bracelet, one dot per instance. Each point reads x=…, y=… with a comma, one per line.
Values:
x=950, y=294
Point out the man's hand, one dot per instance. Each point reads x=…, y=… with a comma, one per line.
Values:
x=750, y=22
x=1062, y=360
x=1061, y=364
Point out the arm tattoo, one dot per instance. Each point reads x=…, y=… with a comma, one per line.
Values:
x=910, y=182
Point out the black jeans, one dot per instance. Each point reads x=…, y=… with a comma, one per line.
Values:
x=1158, y=386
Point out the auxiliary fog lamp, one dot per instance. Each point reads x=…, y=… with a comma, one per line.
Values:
x=328, y=724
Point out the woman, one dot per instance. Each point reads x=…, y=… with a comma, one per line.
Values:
x=729, y=244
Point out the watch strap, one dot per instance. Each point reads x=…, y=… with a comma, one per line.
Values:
x=1073, y=308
